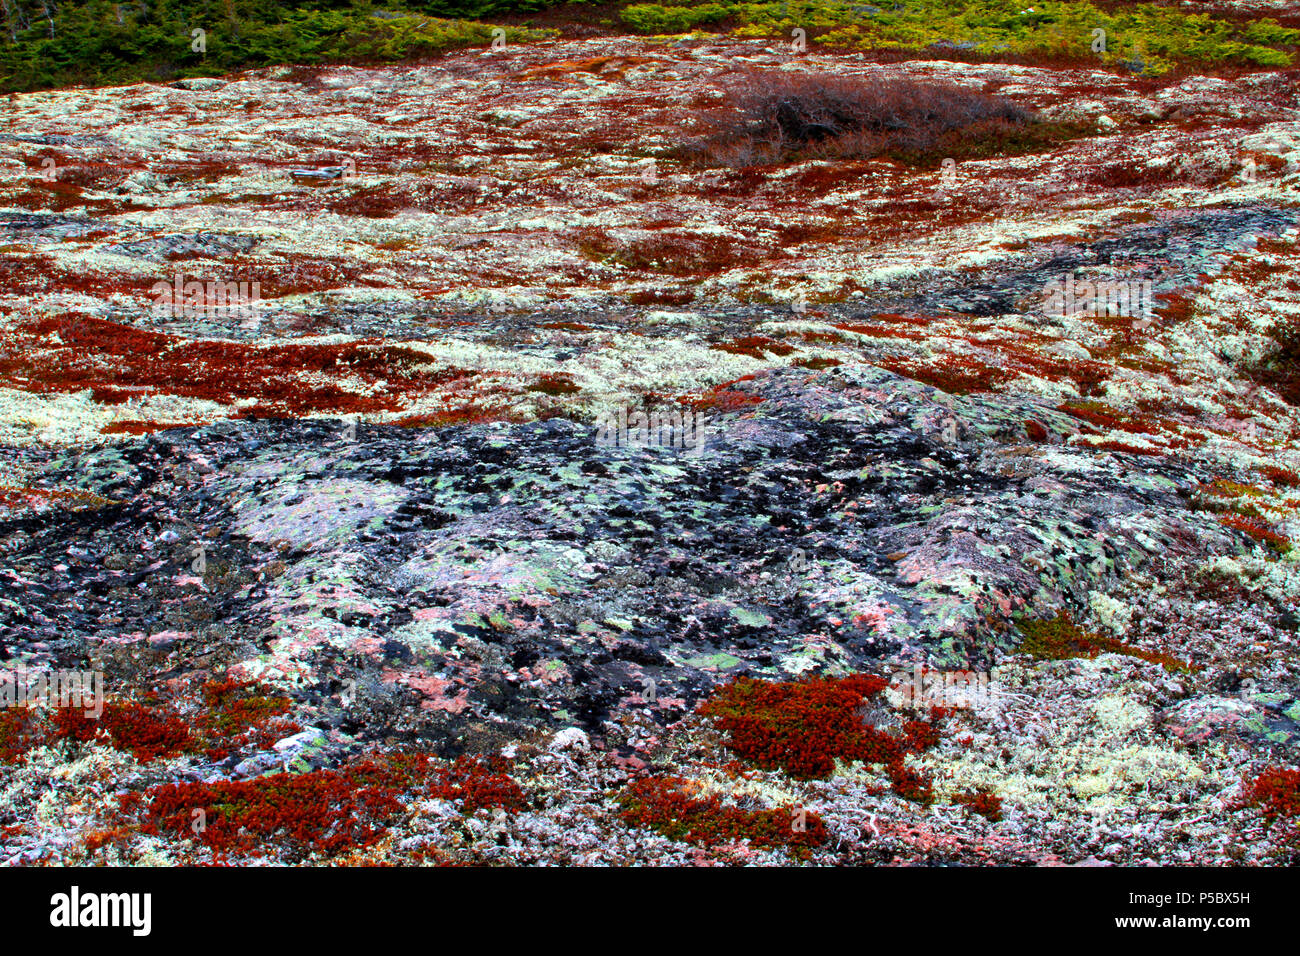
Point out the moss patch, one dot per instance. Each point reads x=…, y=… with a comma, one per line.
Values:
x=1059, y=639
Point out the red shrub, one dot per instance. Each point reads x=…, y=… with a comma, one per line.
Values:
x=1257, y=530
x=324, y=811
x=755, y=346
x=802, y=726
x=952, y=374
x=1280, y=369
x=1280, y=476
x=666, y=805
x=1276, y=793
x=147, y=733
x=982, y=801
x=239, y=715
x=285, y=379
x=721, y=398
x=19, y=732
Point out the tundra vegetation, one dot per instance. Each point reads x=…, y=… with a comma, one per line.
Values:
x=330, y=391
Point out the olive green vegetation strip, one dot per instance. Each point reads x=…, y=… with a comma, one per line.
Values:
x=1150, y=39
x=99, y=43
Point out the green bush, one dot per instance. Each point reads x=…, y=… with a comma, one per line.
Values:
x=1154, y=36
x=653, y=18
x=98, y=42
